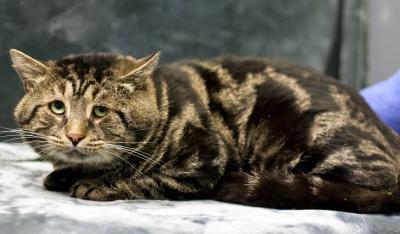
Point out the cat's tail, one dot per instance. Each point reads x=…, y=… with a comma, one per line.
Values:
x=302, y=192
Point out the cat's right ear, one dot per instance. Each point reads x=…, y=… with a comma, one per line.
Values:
x=139, y=69
x=31, y=71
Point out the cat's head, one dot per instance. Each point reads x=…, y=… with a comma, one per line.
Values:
x=81, y=109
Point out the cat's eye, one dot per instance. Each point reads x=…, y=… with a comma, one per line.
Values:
x=57, y=107
x=99, y=111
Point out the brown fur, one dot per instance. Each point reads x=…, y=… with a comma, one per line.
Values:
x=246, y=130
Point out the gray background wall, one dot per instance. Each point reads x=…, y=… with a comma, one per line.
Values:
x=384, y=39
x=326, y=35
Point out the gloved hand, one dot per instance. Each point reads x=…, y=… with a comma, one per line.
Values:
x=384, y=99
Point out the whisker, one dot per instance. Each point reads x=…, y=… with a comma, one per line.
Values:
x=116, y=155
x=112, y=163
x=42, y=152
x=132, y=142
x=18, y=130
x=42, y=148
x=21, y=132
x=135, y=152
x=22, y=137
x=12, y=139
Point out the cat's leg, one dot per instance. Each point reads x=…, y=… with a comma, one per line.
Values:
x=194, y=168
x=98, y=191
x=61, y=179
x=159, y=186
x=302, y=192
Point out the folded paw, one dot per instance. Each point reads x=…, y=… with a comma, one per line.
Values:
x=60, y=180
x=93, y=190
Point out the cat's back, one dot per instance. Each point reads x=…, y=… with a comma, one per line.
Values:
x=296, y=102
x=233, y=85
x=227, y=72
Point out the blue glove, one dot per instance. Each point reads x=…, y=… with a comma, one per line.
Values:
x=384, y=99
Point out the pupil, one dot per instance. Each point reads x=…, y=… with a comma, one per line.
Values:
x=58, y=105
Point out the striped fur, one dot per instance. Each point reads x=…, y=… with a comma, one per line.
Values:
x=246, y=130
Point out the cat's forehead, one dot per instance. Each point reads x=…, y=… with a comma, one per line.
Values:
x=95, y=67
x=85, y=74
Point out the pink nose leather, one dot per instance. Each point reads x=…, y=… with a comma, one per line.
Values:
x=75, y=138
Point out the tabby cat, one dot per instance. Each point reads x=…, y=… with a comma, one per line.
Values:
x=236, y=129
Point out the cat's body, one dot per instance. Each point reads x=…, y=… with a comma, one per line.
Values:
x=245, y=130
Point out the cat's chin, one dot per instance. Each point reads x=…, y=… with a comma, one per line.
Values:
x=74, y=156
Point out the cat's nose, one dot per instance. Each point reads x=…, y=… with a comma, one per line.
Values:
x=75, y=138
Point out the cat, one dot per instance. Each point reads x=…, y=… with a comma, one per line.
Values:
x=253, y=131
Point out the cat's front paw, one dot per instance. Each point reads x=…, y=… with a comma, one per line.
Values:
x=92, y=190
x=60, y=180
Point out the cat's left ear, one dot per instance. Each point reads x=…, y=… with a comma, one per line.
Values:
x=141, y=69
x=30, y=70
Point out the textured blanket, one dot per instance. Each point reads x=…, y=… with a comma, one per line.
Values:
x=25, y=207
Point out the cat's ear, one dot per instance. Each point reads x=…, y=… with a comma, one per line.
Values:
x=140, y=69
x=30, y=70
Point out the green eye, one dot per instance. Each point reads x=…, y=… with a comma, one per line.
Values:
x=57, y=107
x=99, y=111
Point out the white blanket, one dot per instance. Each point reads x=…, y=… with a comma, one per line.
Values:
x=25, y=207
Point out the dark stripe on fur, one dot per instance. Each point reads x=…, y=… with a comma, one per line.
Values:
x=31, y=116
x=210, y=78
x=122, y=116
x=239, y=68
x=84, y=62
x=277, y=106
